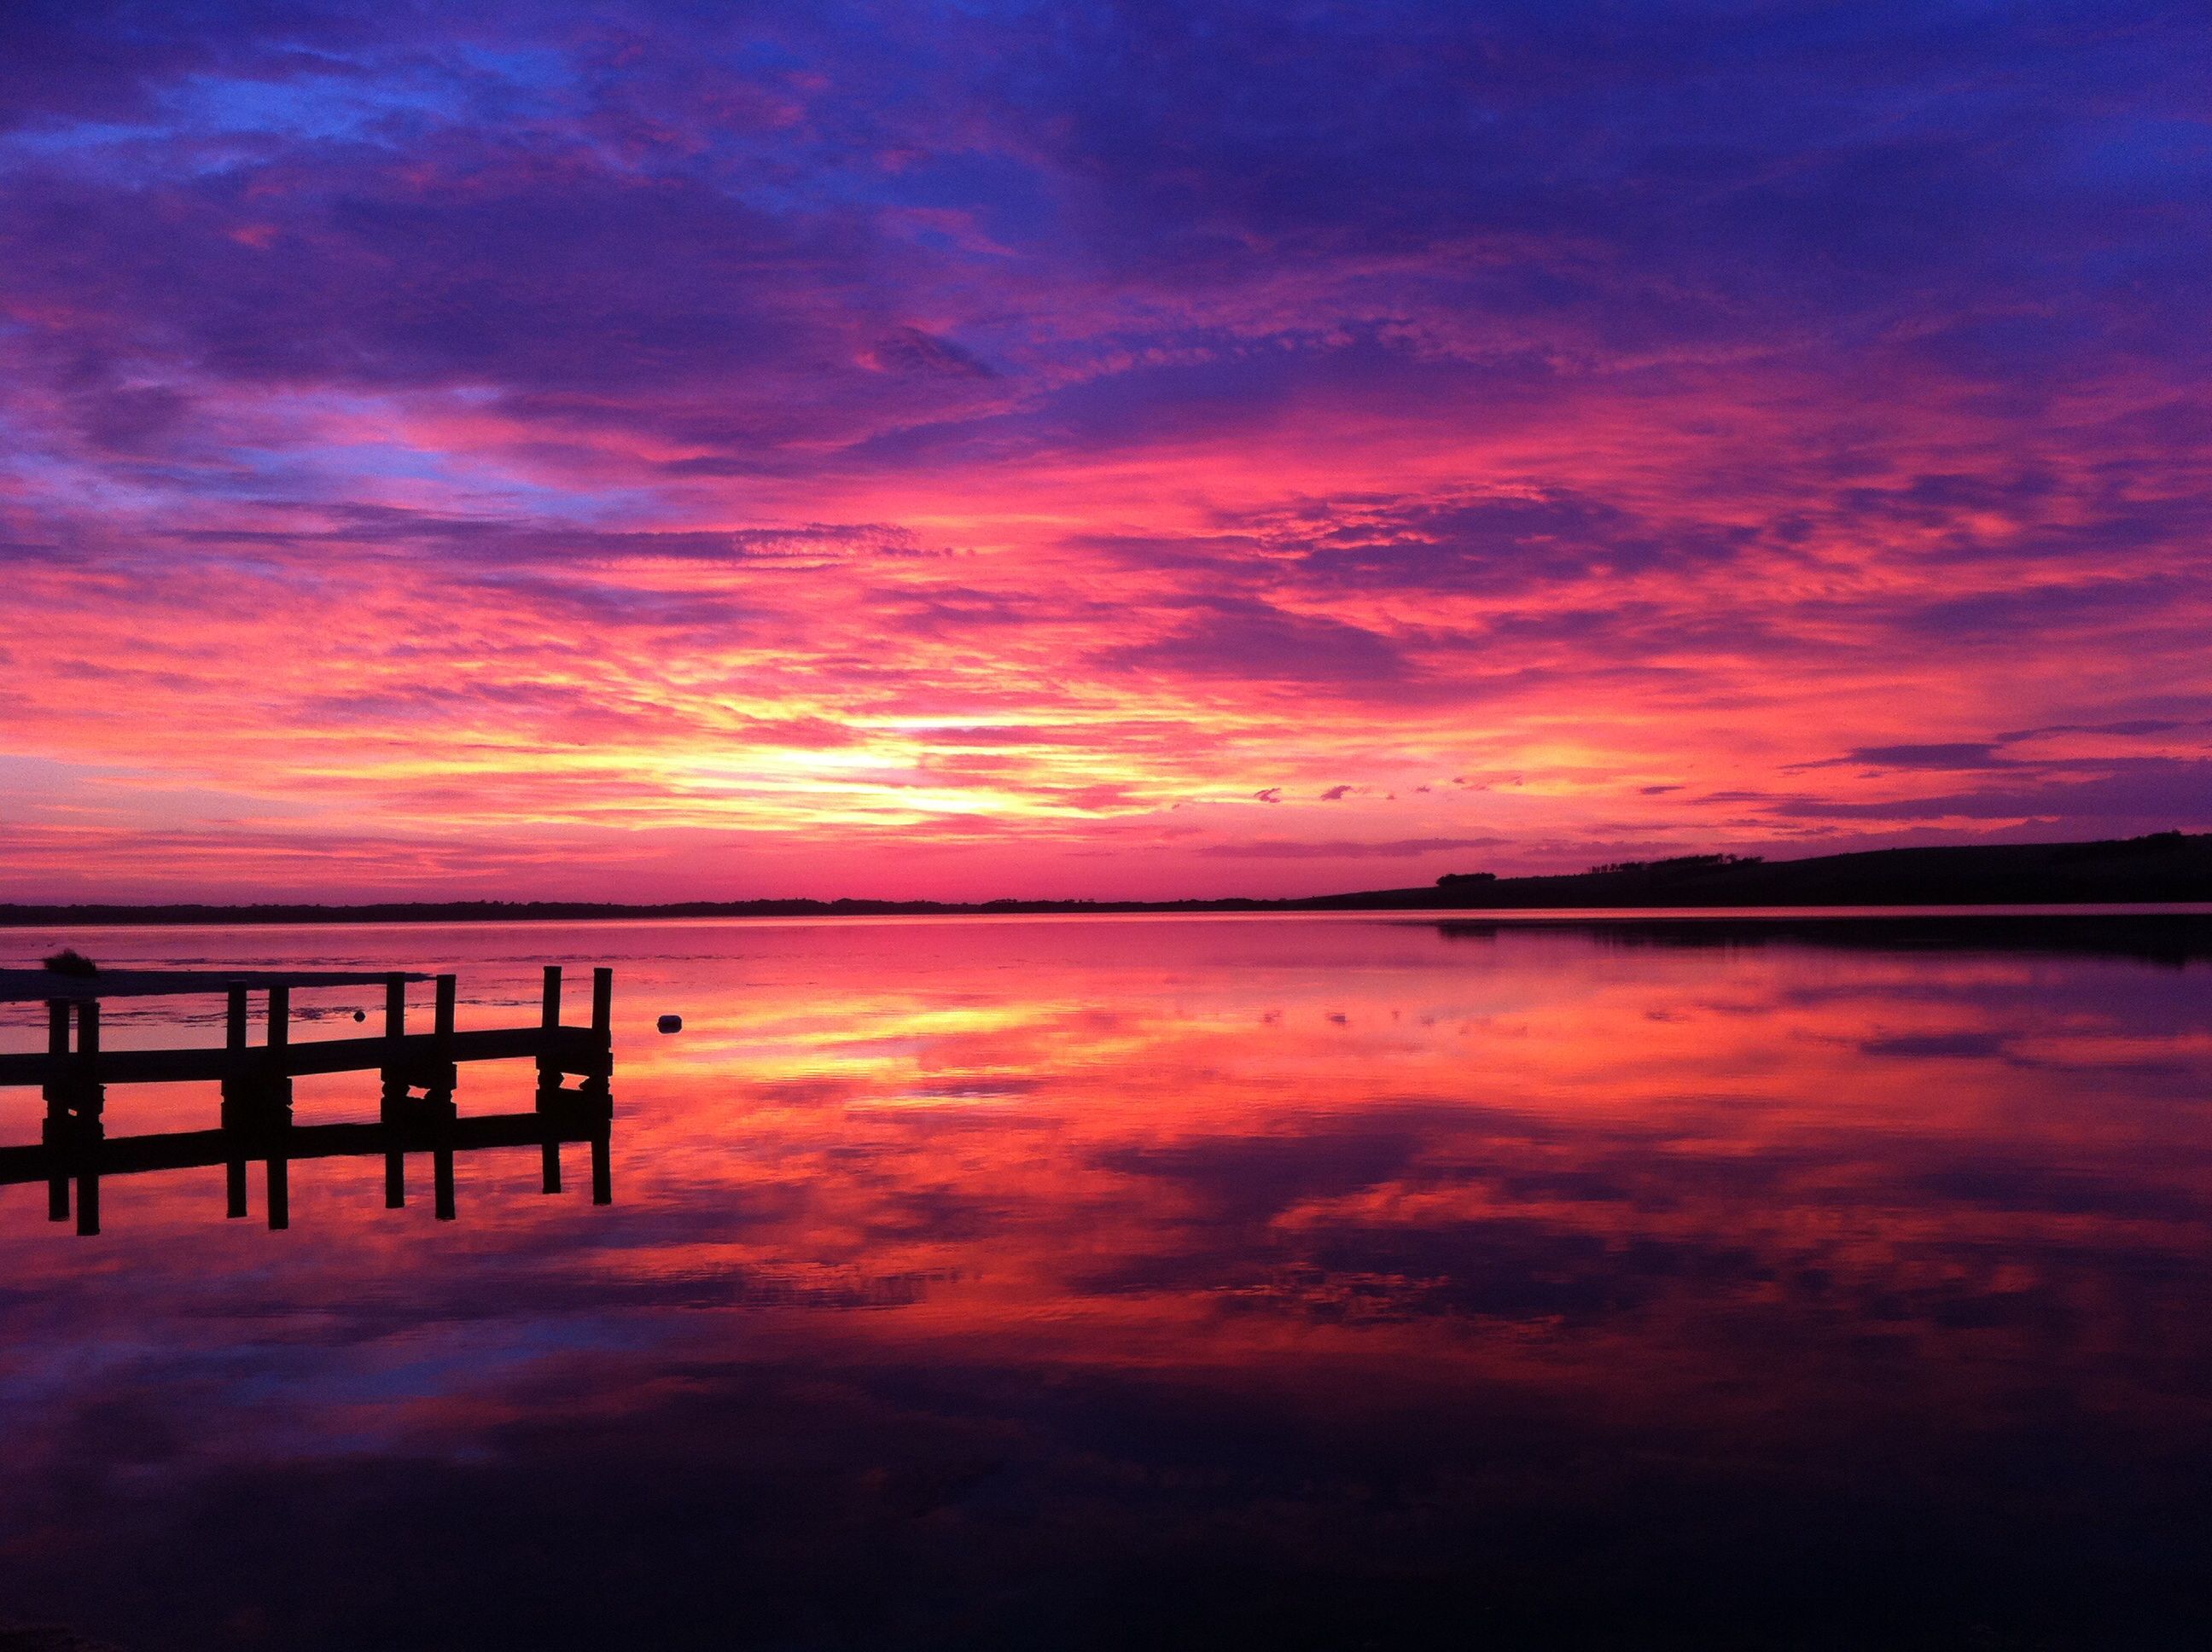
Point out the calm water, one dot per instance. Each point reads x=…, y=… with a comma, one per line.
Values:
x=1174, y=1282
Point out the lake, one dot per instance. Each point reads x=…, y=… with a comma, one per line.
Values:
x=1344, y=1281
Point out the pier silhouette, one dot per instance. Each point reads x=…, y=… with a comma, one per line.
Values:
x=418, y=1074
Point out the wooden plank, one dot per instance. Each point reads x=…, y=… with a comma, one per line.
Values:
x=123, y=1066
x=580, y=1050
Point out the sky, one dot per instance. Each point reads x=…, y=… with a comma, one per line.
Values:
x=959, y=450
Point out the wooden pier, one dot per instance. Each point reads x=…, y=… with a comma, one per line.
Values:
x=418, y=1073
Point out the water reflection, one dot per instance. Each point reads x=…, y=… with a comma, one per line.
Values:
x=1318, y=1282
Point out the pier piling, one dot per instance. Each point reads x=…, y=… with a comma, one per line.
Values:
x=233, y=1103
x=54, y=1130
x=82, y=1101
x=392, y=1105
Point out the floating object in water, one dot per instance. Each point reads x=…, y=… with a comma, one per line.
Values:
x=360, y=1015
x=670, y=1023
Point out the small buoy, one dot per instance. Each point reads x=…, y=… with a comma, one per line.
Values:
x=360, y=1015
x=672, y=1023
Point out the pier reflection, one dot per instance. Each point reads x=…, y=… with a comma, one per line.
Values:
x=83, y=1169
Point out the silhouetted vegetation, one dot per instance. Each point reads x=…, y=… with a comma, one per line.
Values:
x=1681, y=863
x=2122, y=848
x=70, y=962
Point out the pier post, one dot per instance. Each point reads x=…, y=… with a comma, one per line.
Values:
x=55, y=1131
x=234, y=1080
x=549, y=1080
x=274, y=1105
x=87, y=1101
x=392, y=1107
x=600, y=1087
x=440, y=1098
x=597, y=1086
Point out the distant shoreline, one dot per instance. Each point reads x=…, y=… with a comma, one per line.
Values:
x=2165, y=868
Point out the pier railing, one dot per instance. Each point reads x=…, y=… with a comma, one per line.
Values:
x=418, y=1073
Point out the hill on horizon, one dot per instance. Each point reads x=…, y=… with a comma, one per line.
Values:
x=2162, y=867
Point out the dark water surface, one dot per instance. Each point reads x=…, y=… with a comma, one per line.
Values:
x=1304, y=1282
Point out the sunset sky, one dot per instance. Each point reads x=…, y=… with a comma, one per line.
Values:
x=974, y=449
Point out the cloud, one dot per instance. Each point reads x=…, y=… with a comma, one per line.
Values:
x=2132, y=794
x=909, y=350
x=1691, y=427
x=1341, y=848
x=1251, y=640
x=1957, y=754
